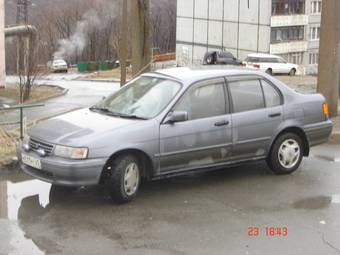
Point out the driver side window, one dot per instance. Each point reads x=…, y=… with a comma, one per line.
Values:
x=204, y=101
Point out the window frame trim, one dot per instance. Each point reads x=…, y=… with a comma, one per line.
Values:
x=196, y=85
x=246, y=77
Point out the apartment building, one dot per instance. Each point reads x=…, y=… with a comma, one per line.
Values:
x=295, y=32
x=238, y=26
x=289, y=28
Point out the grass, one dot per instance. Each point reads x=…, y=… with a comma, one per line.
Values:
x=8, y=142
x=38, y=93
x=10, y=138
x=113, y=74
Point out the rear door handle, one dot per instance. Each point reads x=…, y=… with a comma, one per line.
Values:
x=222, y=123
x=273, y=115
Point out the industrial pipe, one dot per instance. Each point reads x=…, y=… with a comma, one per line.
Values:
x=20, y=30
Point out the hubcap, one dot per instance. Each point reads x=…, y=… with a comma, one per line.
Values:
x=131, y=179
x=289, y=153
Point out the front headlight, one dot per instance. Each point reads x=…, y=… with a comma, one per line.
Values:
x=71, y=152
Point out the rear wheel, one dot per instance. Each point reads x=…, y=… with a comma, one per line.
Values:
x=292, y=72
x=125, y=178
x=286, y=154
x=210, y=60
x=269, y=71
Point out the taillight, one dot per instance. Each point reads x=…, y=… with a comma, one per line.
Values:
x=325, y=110
x=256, y=66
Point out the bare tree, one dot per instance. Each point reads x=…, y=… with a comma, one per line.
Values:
x=28, y=68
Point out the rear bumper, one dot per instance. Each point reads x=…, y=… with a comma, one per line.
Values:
x=319, y=132
x=64, y=171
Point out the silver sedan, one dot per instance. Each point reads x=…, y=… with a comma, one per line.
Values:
x=173, y=122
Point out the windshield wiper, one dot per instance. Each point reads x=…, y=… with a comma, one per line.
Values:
x=116, y=114
x=132, y=117
x=102, y=109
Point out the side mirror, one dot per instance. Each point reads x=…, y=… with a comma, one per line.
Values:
x=176, y=116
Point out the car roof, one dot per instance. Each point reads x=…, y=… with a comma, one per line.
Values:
x=262, y=55
x=189, y=75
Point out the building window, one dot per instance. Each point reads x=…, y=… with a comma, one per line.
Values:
x=286, y=34
x=288, y=7
x=313, y=58
x=295, y=57
x=314, y=33
x=316, y=7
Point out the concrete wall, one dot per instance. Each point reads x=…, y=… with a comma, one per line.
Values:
x=2, y=44
x=238, y=26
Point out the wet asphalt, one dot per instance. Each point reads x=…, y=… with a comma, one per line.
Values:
x=207, y=213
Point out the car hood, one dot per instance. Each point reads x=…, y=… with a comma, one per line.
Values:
x=78, y=127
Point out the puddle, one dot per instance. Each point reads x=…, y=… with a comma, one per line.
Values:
x=314, y=203
x=13, y=195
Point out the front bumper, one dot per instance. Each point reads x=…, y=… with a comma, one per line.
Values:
x=319, y=132
x=65, y=172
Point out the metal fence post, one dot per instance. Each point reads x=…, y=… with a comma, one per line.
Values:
x=21, y=124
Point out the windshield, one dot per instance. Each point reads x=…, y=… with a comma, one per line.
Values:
x=143, y=98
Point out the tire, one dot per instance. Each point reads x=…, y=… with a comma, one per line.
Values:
x=123, y=189
x=292, y=72
x=210, y=60
x=286, y=154
x=269, y=71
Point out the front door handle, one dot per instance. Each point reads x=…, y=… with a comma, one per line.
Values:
x=222, y=123
x=273, y=115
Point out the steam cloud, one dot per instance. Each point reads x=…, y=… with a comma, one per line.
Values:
x=77, y=41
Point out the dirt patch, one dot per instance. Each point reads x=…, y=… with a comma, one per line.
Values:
x=39, y=93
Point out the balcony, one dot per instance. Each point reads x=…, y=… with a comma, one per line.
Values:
x=288, y=47
x=289, y=20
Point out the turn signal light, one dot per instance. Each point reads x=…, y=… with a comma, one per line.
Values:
x=325, y=110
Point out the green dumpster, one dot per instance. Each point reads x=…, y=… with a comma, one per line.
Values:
x=104, y=66
x=82, y=67
x=92, y=66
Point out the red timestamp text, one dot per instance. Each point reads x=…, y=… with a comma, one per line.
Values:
x=267, y=231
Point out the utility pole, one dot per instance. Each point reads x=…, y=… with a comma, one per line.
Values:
x=329, y=63
x=141, y=36
x=123, y=44
x=2, y=45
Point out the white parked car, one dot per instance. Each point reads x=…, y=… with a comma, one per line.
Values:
x=270, y=64
x=58, y=65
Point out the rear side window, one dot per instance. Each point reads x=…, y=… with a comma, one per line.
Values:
x=246, y=95
x=271, y=95
x=204, y=101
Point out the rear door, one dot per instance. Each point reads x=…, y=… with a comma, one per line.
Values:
x=257, y=114
x=205, y=138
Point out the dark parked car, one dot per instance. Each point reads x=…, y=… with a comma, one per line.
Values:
x=220, y=58
x=173, y=122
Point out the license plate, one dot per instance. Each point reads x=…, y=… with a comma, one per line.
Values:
x=30, y=161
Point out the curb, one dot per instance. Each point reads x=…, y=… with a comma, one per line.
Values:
x=104, y=81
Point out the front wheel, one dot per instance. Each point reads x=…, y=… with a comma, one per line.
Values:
x=125, y=178
x=269, y=71
x=286, y=154
x=292, y=72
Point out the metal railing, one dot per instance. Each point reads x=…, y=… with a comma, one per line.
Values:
x=21, y=119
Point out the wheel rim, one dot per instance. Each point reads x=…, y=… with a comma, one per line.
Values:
x=131, y=179
x=289, y=153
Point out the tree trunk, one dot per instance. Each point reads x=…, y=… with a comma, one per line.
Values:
x=141, y=36
x=123, y=44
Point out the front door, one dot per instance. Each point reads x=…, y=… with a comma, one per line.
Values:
x=205, y=139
